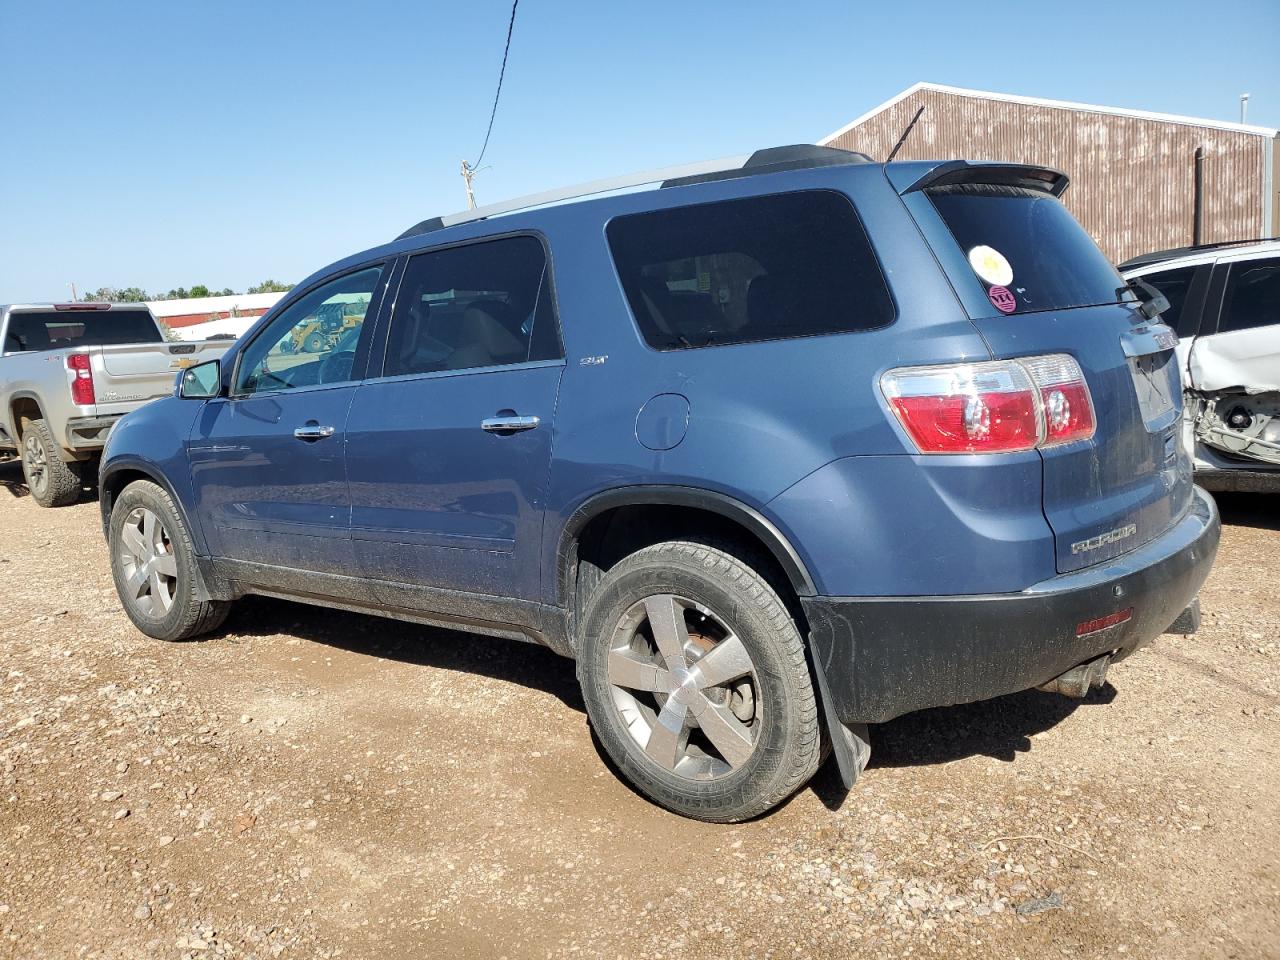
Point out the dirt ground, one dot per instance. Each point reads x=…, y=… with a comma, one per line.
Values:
x=309, y=783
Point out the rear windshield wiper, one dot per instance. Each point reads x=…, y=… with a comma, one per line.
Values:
x=1151, y=302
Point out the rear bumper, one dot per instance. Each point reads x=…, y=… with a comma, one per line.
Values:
x=886, y=656
x=86, y=434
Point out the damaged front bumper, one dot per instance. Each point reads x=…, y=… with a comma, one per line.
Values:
x=1238, y=423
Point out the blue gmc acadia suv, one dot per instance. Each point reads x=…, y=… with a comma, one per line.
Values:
x=778, y=448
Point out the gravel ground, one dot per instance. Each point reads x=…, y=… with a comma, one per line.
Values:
x=309, y=783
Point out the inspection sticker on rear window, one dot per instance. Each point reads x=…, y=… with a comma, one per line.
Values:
x=991, y=266
x=1002, y=299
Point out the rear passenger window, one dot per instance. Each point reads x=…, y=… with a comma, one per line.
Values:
x=1253, y=296
x=761, y=268
x=479, y=305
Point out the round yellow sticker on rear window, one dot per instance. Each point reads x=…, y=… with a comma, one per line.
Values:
x=991, y=266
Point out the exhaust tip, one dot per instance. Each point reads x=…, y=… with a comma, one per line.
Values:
x=1080, y=679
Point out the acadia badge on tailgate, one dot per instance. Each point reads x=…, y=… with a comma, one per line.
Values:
x=1102, y=539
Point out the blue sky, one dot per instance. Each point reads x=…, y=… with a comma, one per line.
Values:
x=168, y=144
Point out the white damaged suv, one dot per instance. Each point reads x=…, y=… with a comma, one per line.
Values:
x=1224, y=304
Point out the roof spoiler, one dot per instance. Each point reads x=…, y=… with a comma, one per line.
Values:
x=950, y=172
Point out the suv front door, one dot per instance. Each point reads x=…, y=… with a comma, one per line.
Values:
x=1243, y=350
x=267, y=462
x=448, y=452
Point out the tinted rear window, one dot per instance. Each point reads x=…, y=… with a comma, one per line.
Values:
x=761, y=268
x=79, y=328
x=1055, y=264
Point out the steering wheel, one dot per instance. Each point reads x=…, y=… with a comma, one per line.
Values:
x=336, y=367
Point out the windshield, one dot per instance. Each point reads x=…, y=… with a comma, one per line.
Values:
x=79, y=328
x=1025, y=248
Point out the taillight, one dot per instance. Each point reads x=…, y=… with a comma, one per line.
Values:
x=1064, y=396
x=82, y=384
x=1000, y=406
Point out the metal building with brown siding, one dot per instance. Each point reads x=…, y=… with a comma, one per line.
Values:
x=1132, y=173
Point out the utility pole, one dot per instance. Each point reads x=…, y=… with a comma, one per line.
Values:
x=467, y=173
x=74, y=297
x=1244, y=107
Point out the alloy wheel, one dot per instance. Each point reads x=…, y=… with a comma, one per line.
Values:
x=685, y=687
x=147, y=561
x=37, y=464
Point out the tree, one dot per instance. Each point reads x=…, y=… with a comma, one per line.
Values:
x=115, y=295
x=271, y=286
x=199, y=290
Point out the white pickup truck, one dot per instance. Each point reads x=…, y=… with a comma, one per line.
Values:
x=68, y=371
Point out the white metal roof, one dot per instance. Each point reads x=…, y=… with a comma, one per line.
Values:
x=240, y=301
x=1191, y=258
x=1059, y=104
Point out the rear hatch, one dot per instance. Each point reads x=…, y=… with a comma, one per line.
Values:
x=1035, y=283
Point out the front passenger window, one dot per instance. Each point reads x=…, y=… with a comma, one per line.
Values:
x=480, y=305
x=1253, y=295
x=313, y=341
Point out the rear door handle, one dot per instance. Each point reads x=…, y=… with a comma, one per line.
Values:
x=511, y=424
x=312, y=432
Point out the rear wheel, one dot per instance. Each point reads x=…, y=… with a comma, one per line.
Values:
x=52, y=481
x=154, y=566
x=696, y=682
x=314, y=343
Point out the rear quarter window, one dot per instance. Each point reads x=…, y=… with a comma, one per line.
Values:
x=1042, y=254
x=759, y=268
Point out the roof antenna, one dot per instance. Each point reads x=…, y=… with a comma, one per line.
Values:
x=905, y=133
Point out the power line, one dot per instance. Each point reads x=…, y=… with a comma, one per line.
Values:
x=494, y=112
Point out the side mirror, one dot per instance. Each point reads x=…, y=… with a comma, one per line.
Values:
x=201, y=382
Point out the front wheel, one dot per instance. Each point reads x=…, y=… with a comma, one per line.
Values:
x=696, y=682
x=154, y=566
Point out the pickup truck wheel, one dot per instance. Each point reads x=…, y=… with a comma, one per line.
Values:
x=52, y=481
x=154, y=566
x=695, y=680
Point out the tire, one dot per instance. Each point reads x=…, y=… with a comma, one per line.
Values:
x=314, y=343
x=774, y=746
x=51, y=481
x=162, y=601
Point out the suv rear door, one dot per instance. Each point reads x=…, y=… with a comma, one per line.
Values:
x=448, y=452
x=1049, y=290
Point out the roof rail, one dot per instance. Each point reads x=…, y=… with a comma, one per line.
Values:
x=1159, y=256
x=769, y=160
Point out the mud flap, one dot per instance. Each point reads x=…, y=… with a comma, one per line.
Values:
x=1188, y=621
x=852, y=743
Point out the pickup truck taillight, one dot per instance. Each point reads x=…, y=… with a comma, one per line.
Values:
x=1000, y=406
x=82, y=384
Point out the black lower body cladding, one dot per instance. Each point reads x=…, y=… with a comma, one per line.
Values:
x=886, y=656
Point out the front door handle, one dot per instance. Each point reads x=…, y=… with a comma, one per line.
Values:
x=509, y=424
x=311, y=432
